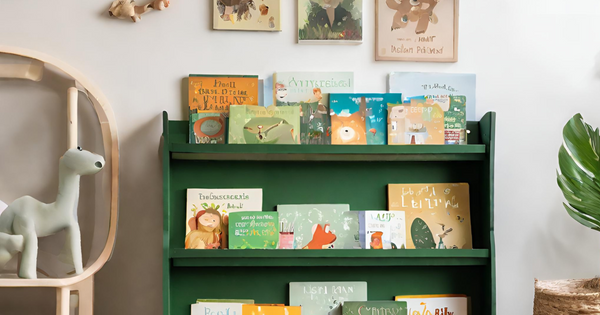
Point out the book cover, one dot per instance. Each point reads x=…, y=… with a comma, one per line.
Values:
x=215, y=93
x=382, y=229
x=253, y=230
x=207, y=128
x=259, y=125
x=376, y=308
x=204, y=308
x=325, y=298
x=421, y=122
x=330, y=22
x=348, y=119
x=315, y=124
x=310, y=87
x=251, y=16
x=437, y=215
x=269, y=309
x=319, y=226
x=436, y=304
x=207, y=214
x=437, y=86
x=455, y=121
x=242, y=301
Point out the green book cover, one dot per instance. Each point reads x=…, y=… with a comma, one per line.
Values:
x=455, y=121
x=315, y=123
x=260, y=125
x=253, y=230
x=375, y=308
x=326, y=298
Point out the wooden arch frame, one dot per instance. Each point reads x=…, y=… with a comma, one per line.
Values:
x=84, y=282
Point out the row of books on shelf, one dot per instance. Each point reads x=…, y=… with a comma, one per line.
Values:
x=336, y=298
x=419, y=216
x=321, y=108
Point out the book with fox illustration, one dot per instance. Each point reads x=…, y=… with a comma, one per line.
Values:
x=326, y=298
x=419, y=122
x=437, y=215
x=443, y=304
x=207, y=214
x=259, y=125
x=253, y=230
x=319, y=226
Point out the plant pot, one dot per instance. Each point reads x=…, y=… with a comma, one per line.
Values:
x=567, y=297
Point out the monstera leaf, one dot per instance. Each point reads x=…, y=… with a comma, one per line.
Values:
x=579, y=176
x=421, y=234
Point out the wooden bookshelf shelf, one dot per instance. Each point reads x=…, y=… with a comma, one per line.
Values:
x=337, y=257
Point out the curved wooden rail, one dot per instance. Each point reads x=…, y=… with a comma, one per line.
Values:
x=83, y=282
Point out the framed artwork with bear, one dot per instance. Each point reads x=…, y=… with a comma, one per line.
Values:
x=417, y=30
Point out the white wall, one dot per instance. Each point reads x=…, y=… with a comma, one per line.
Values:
x=537, y=61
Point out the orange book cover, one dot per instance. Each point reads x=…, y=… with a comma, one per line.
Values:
x=215, y=93
x=258, y=309
x=436, y=215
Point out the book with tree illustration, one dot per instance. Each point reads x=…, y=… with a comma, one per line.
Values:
x=259, y=125
x=437, y=215
x=207, y=214
x=326, y=298
x=253, y=230
x=318, y=227
x=419, y=122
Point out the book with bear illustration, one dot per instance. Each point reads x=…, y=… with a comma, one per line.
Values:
x=419, y=122
x=382, y=229
x=207, y=214
x=376, y=308
x=437, y=215
x=318, y=227
x=443, y=304
x=326, y=298
x=253, y=230
x=260, y=125
x=310, y=87
x=358, y=118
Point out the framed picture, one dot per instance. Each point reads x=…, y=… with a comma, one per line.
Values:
x=247, y=15
x=330, y=21
x=417, y=30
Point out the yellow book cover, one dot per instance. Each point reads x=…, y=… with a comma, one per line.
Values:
x=437, y=215
x=265, y=309
x=215, y=93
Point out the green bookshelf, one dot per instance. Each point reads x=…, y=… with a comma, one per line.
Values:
x=357, y=175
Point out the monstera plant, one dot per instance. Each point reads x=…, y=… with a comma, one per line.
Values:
x=579, y=179
x=579, y=176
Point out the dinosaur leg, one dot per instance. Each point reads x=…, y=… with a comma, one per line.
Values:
x=10, y=245
x=74, y=239
x=26, y=227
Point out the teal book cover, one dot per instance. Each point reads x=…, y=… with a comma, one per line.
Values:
x=375, y=308
x=253, y=230
x=260, y=125
x=325, y=298
x=318, y=227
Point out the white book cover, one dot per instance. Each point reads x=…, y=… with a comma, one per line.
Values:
x=207, y=214
x=382, y=229
x=436, y=304
x=438, y=86
x=310, y=87
x=217, y=309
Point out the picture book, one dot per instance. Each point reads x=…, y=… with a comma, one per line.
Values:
x=315, y=124
x=320, y=226
x=455, y=121
x=437, y=215
x=375, y=308
x=244, y=15
x=436, y=86
x=204, y=308
x=421, y=122
x=207, y=214
x=253, y=230
x=330, y=21
x=326, y=298
x=242, y=301
x=375, y=107
x=348, y=119
x=259, y=125
x=382, y=229
x=269, y=309
x=436, y=304
x=215, y=93
x=310, y=87
x=208, y=128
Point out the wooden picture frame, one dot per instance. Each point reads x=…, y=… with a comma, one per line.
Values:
x=420, y=34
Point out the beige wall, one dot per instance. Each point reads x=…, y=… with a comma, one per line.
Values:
x=536, y=61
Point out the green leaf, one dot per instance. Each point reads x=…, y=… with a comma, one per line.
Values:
x=582, y=219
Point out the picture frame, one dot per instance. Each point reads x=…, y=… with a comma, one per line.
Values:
x=330, y=22
x=421, y=34
x=247, y=15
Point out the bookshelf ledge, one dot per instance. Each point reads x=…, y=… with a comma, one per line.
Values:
x=336, y=257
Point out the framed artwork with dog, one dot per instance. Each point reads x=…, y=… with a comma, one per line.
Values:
x=417, y=30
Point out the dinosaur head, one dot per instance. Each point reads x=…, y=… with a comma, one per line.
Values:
x=82, y=162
